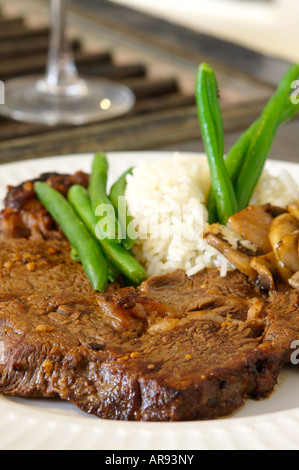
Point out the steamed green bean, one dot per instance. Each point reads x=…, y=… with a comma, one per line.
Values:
x=108, y=223
x=116, y=253
x=89, y=252
x=262, y=139
x=117, y=197
x=236, y=155
x=213, y=136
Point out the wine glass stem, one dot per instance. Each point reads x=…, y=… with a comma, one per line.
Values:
x=61, y=72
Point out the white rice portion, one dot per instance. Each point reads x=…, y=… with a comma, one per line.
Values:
x=279, y=190
x=178, y=187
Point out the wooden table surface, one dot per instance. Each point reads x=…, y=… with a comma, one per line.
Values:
x=157, y=60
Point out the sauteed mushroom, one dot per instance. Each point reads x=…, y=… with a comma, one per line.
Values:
x=215, y=237
x=294, y=210
x=253, y=223
x=294, y=281
x=266, y=268
x=282, y=225
x=284, y=237
x=287, y=251
x=274, y=233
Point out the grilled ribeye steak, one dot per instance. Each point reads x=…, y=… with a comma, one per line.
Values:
x=177, y=348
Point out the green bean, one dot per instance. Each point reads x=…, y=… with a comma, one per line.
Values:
x=233, y=163
x=117, y=197
x=262, y=140
x=116, y=253
x=212, y=92
x=290, y=110
x=101, y=204
x=113, y=272
x=211, y=207
x=75, y=255
x=90, y=254
x=212, y=133
x=79, y=198
x=235, y=157
x=125, y=262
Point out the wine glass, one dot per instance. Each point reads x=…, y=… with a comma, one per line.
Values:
x=62, y=96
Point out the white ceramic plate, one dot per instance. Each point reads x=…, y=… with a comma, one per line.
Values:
x=31, y=424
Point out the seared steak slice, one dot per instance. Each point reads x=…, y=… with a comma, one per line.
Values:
x=32, y=267
x=204, y=292
x=134, y=354
x=282, y=321
x=25, y=216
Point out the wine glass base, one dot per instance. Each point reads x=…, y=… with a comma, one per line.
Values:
x=100, y=101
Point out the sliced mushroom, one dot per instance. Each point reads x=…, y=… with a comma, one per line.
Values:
x=294, y=210
x=257, y=224
x=287, y=251
x=294, y=281
x=266, y=268
x=240, y=260
x=253, y=224
x=284, y=242
x=281, y=226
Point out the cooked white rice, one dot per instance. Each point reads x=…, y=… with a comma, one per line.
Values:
x=166, y=199
x=279, y=190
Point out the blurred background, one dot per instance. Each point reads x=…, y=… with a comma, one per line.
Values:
x=269, y=26
x=154, y=47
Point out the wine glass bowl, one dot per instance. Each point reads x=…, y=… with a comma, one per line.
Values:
x=29, y=99
x=62, y=96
